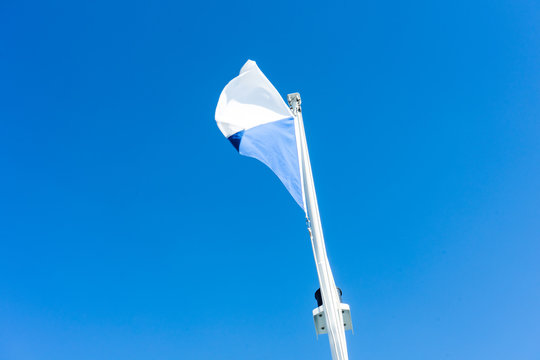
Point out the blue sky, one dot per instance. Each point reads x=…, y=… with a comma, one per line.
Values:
x=131, y=229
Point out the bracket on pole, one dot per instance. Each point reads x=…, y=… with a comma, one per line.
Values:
x=319, y=319
x=295, y=102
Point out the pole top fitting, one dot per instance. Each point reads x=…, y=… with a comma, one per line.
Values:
x=294, y=101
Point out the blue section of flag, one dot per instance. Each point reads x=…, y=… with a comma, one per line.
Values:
x=235, y=139
x=275, y=145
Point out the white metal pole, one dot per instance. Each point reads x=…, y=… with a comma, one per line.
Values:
x=329, y=292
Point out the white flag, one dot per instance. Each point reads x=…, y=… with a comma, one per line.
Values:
x=256, y=120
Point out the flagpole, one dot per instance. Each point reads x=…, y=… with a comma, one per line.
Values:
x=330, y=298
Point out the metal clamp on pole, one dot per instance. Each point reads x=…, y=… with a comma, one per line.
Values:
x=295, y=102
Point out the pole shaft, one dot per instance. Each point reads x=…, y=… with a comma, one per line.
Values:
x=330, y=297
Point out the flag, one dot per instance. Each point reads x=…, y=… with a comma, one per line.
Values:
x=259, y=124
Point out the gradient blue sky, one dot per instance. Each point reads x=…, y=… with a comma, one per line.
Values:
x=131, y=229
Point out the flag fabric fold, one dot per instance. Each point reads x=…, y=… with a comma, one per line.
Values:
x=259, y=124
